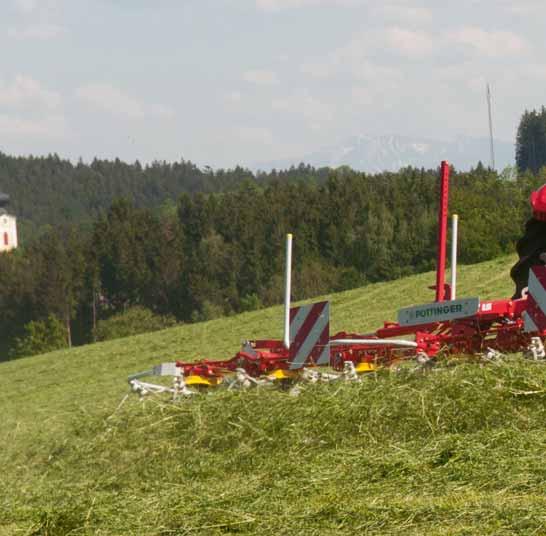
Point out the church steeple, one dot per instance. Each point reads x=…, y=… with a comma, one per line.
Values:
x=8, y=226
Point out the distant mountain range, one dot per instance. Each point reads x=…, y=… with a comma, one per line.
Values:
x=390, y=153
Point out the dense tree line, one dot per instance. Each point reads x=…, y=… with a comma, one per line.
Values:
x=221, y=253
x=531, y=141
x=51, y=191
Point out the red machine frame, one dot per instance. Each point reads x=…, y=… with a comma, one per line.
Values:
x=497, y=325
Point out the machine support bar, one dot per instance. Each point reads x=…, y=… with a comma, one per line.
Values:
x=442, y=231
x=287, y=287
x=454, y=239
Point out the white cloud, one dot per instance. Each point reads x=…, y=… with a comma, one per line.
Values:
x=361, y=58
x=261, y=77
x=490, y=43
x=29, y=110
x=404, y=13
x=376, y=74
x=362, y=96
x=111, y=99
x=258, y=135
x=24, y=91
x=360, y=69
x=524, y=8
x=408, y=43
x=162, y=111
x=304, y=104
x=33, y=7
x=533, y=71
x=41, y=32
x=476, y=84
x=397, y=40
x=355, y=57
x=318, y=68
x=53, y=126
x=234, y=97
x=26, y=6
x=277, y=5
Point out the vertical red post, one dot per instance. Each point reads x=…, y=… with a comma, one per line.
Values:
x=442, y=231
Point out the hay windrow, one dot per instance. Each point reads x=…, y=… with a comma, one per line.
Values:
x=457, y=450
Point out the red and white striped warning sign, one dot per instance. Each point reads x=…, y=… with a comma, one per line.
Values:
x=535, y=315
x=310, y=335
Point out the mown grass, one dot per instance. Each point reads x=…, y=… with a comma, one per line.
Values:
x=457, y=450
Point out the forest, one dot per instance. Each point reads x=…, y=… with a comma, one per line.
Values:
x=531, y=141
x=111, y=248
x=209, y=253
x=49, y=191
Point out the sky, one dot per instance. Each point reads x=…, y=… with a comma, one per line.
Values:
x=226, y=82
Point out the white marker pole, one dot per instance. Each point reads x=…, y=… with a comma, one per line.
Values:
x=454, y=238
x=287, y=287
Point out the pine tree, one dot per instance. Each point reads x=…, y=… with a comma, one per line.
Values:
x=531, y=141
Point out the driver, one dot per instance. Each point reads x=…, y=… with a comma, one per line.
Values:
x=531, y=247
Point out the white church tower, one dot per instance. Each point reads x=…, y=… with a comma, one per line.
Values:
x=8, y=226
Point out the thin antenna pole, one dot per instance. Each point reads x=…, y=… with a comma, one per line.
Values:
x=491, y=145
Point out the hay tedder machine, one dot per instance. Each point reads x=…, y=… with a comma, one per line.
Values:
x=449, y=325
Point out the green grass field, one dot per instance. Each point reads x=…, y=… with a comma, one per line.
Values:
x=459, y=450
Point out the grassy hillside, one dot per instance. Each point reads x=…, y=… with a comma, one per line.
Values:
x=457, y=451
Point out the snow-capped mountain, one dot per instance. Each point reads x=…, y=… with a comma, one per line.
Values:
x=390, y=153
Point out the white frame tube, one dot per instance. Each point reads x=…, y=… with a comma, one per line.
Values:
x=454, y=239
x=373, y=342
x=287, y=287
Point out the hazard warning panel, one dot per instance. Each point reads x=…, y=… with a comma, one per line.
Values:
x=535, y=315
x=310, y=335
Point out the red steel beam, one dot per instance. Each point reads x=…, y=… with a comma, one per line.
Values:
x=442, y=231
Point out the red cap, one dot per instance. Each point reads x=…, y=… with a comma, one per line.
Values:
x=538, y=202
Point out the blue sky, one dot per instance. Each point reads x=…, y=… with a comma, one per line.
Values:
x=222, y=82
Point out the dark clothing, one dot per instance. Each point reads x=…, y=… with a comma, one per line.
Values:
x=529, y=249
